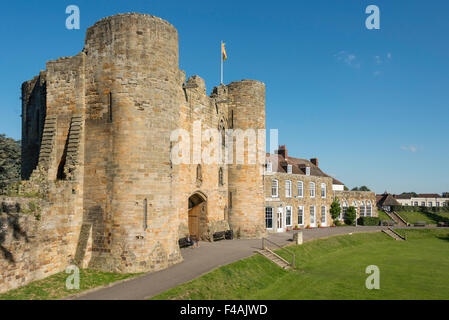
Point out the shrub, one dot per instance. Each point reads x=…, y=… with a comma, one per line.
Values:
x=335, y=209
x=350, y=216
x=368, y=221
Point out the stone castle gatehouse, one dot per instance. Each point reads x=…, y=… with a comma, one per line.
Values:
x=97, y=127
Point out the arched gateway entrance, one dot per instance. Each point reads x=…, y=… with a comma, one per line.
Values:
x=197, y=214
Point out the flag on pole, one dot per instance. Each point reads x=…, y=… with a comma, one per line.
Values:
x=223, y=51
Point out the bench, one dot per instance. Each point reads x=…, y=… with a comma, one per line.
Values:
x=420, y=224
x=183, y=243
x=220, y=235
x=387, y=223
x=443, y=224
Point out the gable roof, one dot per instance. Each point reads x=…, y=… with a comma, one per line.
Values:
x=298, y=166
x=387, y=200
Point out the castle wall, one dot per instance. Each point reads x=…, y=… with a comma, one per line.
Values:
x=247, y=105
x=136, y=56
x=97, y=130
x=197, y=106
x=36, y=240
x=33, y=117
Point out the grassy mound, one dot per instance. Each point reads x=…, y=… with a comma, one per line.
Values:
x=428, y=217
x=54, y=287
x=334, y=268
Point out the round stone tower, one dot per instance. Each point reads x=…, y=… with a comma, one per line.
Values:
x=134, y=89
x=247, y=109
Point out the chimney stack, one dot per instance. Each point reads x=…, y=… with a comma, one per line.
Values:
x=282, y=151
x=314, y=161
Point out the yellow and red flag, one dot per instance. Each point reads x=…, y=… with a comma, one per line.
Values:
x=223, y=52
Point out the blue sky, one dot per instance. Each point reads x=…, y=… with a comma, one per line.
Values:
x=372, y=105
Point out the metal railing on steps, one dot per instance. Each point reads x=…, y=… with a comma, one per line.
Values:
x=291, y=253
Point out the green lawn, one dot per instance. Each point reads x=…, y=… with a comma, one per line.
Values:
x=53, y=287
x=428, y=217
x=383, y=216
x=334, y=268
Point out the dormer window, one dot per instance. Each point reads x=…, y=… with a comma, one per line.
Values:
x=307, y=171
x=289, y=168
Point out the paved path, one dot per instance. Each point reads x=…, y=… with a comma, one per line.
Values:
x=201, y=260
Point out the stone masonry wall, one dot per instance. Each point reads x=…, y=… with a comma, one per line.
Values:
x=355, y=198
x=33, y=117
x=246, y=216
x=35, y=241
x=306, y=201
x=96, y=132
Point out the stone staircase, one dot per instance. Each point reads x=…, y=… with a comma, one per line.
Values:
x=393, y=234
x=396, y=218
x=48, y=138
x=270, y=255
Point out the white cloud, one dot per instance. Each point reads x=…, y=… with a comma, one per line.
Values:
x=377, y=73
x=378, y=60
x=389, y=55
x=409, y=148
x=348, y=58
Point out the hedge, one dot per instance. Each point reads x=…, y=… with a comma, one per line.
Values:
x=368, y=221
x=420, y=209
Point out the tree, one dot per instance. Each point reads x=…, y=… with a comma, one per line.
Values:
x=9, y=161
x=411, y=194
x=350, y=216
x=335, y=209
x=346, y=188
x=362, y=188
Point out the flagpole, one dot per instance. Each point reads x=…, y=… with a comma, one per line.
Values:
x=221, y=60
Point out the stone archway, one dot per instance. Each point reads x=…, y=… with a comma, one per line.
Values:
x=197, y=215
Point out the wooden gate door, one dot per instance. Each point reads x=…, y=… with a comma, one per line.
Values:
x=194, y=218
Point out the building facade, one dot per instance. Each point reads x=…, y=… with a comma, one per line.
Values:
x=422, y=200
x=299, y=194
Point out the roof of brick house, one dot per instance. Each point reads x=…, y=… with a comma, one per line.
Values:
x=298, y=166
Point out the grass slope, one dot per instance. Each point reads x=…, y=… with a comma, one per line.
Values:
x=53, y=287
x=334, y=268
x=428, y=217
x=383, y=216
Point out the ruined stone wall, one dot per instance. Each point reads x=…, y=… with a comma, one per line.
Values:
x=247, y=105
x=35, y=240
x=33, y=118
